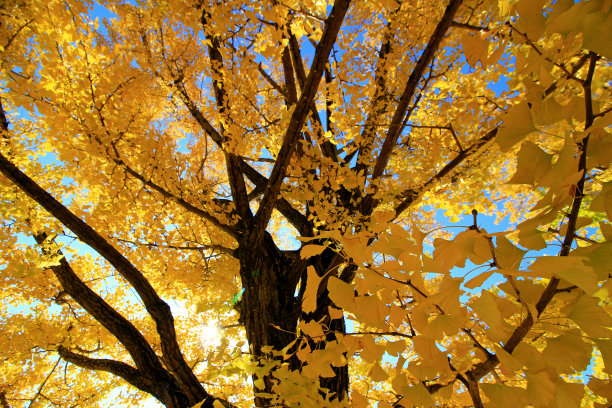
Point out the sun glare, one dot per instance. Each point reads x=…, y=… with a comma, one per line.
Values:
x=208, y=334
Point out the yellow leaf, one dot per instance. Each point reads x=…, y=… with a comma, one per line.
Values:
x=567, y=353
x=372, y=311
x=416, y=396
x=502, y=396
x=377, y=373
x=312, y=329
x=540, y=388
x=509, y=364
x=589, y=316
x=533, y=163
x=341, y=293
x=309, y=303
x=395, y=348
x=517, y=125
x=605, y=348
x=358, y=400
x=396, y=316
x=531, y=20
x=570, y=268
x=532, y=239
x=603, y=201
x=486, y=308
x=475, y=49
x=596, y=34
x=311, y=250
x=478, y=280
x=335, y=313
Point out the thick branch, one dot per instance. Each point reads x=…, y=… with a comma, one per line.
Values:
x=168, y=195
x=120, y=369
x=297, y=219
x=298, y=118
x=378, y=104
x=327, y=147
x=395, y=127
x=157, y=308
x=410, y=196
x=232, y=161
x=135, y=343
x=3, y=401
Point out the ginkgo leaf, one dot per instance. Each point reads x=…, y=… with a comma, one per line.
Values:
x=312, y=329
x=309, y=303
x=335, y=313
x=416, y=396
x=308, y=251
x=532, y=239
x=509, y=363
x=532, y=164
x=443, y=325
x=600, y=149
x=603, y=201
x=508, y=256
x=567, y=394
x=358, y=400
x=531, y=20
x=377, y=373
x=567, y=353
x=371, y=310
x=478, y=280
x=605, y=348
x=572, y=269
x=395, y=348
x=589, y=316
x=475, y=49
x=606, y=230
x=517, y=125
x=597, y=257
x=595, y=36
x=341, y=293
x=486, y=308
x=396, y=315
x=502, y=396
x=540, y=388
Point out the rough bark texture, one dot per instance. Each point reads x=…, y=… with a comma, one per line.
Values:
x=267, y=306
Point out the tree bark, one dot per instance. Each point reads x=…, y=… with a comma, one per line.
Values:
x=267, y=307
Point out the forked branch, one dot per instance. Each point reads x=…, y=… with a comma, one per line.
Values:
x=298, y=118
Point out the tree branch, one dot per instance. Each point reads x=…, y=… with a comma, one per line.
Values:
x=426, y=57
x=326, y=147
x=168, y=195
x=297, y=219
x=128, y=373
x=42, y=385
x=232, y=161
x=141, y=352
x=378, y=104
x=483, y=368
x=298, y=119
x=410, y=196
x=156, y=307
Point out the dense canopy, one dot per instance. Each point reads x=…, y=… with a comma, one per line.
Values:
x=282, y=203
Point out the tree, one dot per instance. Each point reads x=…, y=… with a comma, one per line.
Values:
x=187, y=143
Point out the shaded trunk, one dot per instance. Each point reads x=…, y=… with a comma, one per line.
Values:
x=270, y=310
x=268, y=306
x=329, y=260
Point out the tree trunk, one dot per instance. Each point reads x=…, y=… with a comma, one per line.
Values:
x=267, y=307
x=270, y=310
